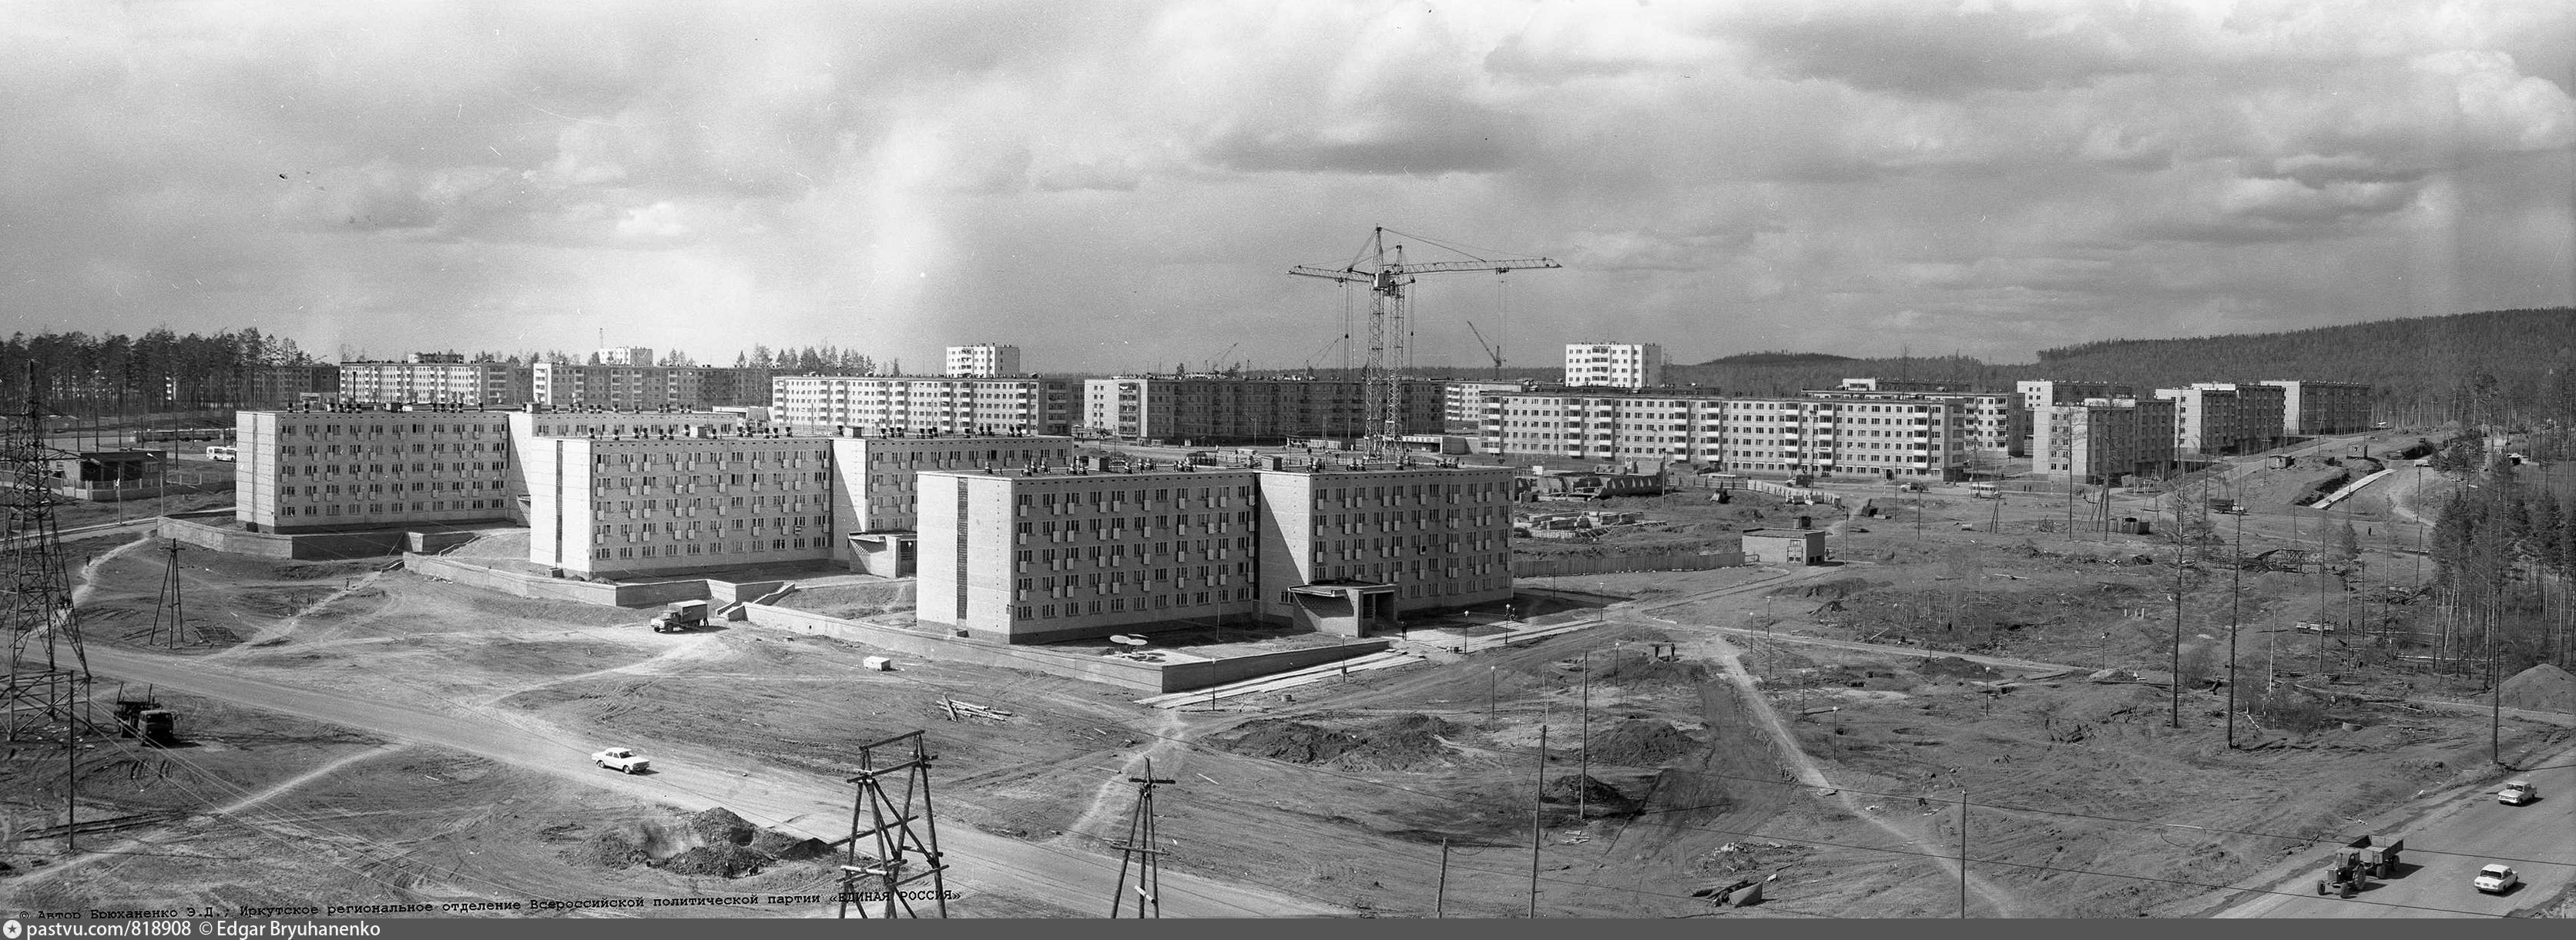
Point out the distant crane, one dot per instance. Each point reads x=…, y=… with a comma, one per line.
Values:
x=1389, y=306
x=1491, y=350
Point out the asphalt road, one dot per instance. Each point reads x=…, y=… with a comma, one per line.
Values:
x=697, y=778
x=2534, y=839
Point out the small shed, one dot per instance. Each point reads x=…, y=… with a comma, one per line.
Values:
x=1792, y=547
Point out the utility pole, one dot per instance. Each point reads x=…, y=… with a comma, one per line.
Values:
x=1538, y=810
x=1963, y=853
x=1583, y=742
x=891, y=819
x=1440, y=895
x=2235, y=619
x=1141, y=851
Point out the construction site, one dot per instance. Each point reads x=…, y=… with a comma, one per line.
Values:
x=1962, y=706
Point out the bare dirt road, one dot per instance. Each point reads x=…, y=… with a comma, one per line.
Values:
x=2448, y=846
x=796, y=801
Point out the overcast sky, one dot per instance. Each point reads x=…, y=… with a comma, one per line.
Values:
x=1117, y=186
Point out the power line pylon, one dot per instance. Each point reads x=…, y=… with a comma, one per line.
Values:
x=1390, y=307
x=171, y=608
x=48, y=677
x=1140, y=852
x=903, y=855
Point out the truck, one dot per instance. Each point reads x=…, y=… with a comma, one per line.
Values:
x=147, y=720
x=680, y=616
x=621, y=759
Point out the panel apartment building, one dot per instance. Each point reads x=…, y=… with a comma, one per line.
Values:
x=875, y=488
x=2224, y=418
x=646, y=505
x=983, y=361
x=2311, y=407
x=1614, y=365
x=2098, y=440
x=2038, y=392
x=646, y=387
x=352, y=467
x=1220, y=410
x=1889, y=434
x=436, y=378
x=1055, y=556
x=883, y=405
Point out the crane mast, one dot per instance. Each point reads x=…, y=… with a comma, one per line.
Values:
x=1382, y=413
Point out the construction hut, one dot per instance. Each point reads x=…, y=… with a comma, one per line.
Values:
x=106, y=475
x=1791, y=547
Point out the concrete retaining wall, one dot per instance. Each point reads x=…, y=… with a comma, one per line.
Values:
x=1126, y=673
x=193, y=529
x=540, y=587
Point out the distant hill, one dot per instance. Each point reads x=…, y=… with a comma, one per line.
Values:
x=2504, y=365
x=1779, y=359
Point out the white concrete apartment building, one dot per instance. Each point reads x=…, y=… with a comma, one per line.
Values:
x=1891, y=435
x=655, y=505
x=1462, y=408
x=877, y=405
x=1221, y=410
x=983, y=360
x=352, y=468
x=874, y=488
x=1614, y=365
x=2224, y=418
x=625, y=356
x=2312, y=407
x=473, y=384
x=1995, y=421
x=2037, y=392
x=2101, y=439
x=1057, y=555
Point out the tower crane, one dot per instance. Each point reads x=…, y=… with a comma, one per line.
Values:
x=1492, y=351
x=1389, y=306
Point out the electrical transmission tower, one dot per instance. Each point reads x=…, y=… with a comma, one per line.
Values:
x=170, y=607
x=903, y=855
x=1390, y=310
x=48, y=678
x=1139, y=852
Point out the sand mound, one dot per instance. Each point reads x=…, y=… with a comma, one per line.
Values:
x=723, y=859
x=2541, y=688
x=1399, y=743
x=719, y=826
x=1642, y=671
x=788, y=848
x=1597, y=798
x=1642, y=744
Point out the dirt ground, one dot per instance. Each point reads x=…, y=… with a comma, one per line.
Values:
x=1403, y=792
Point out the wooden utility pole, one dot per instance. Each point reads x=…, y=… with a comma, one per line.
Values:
x=1538, y=811
x=1963, y=853
x=1440, y=895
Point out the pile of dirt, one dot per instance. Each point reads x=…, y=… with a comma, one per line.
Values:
x=1952, y=667
x=2541, y=688
x=788, y=848
x=1642, y=743
x=1596, y=797
x=606, y=850
x=1837, y=587
x=719, y=826
x=1643, y=671
x=723, y=859
x=1403, y=742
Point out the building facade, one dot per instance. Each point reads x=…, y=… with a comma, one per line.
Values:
x=2311, y=407
x=875, y=490
x=471, y=384
x=1462, y=408
x=881, y=405
x=1035, y=557
x=1220, y=410
x=2224, y=418
x=983, y=361
x=306, y=471
x=2100, y=440
x=626, y=356
x=1995, y=421
x=661, y=505
x=1614, y=365
x=2037, y=392
x=1884, y=434
x=634, y=388
x=280, y=386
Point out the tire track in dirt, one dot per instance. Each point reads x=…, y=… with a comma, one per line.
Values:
x=226, y=811
x=1118, y=792
x=1805, y=769
x=286, y=625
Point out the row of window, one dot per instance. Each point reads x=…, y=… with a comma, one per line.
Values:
x=1119, y=604
x=378, y=509
x=755, y=546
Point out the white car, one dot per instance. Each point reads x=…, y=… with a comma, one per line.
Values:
x=2496, y=879
x=2517, y=793
x=622, y=760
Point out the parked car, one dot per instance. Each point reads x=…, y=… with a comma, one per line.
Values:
x=2497, y=879
x=2517, y=793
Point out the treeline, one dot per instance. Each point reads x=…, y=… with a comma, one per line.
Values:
x=2504, y=555
x=158, y=371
